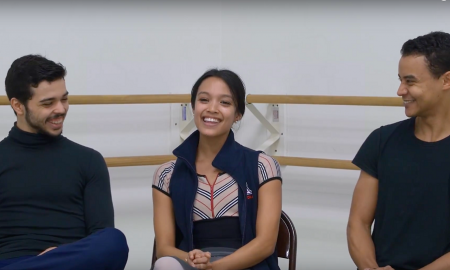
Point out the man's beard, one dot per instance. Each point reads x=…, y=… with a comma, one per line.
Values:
x=33, y=122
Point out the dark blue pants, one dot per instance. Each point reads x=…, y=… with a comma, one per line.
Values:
x=104, y=250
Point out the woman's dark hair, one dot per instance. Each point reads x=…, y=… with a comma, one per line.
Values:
x=435, y=47
x=233, y=81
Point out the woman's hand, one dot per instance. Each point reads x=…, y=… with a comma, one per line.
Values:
x=199, y=259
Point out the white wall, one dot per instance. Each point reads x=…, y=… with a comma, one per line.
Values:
x=317, y=48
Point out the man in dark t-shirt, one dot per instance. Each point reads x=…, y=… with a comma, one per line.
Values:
x=404, y=182
x=56, y=209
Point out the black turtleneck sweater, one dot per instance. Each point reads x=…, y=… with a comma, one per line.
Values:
x=52, y=192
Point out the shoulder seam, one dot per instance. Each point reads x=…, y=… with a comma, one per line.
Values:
x=163, y=174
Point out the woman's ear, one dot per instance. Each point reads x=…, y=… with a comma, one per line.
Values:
x=446, y=77
x=237, y=118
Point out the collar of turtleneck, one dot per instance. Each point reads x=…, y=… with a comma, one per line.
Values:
x=31, y=139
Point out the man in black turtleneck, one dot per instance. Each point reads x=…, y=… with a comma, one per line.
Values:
x=56, y=209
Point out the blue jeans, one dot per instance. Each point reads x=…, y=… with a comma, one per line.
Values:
x=106, y=249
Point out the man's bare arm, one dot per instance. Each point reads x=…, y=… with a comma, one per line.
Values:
x=362, y=212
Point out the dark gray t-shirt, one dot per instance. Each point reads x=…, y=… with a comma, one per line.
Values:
x=412, y=218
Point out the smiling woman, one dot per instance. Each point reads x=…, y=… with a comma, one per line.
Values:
x=218, y=101
x=231, y=217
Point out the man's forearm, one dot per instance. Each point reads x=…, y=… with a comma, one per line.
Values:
x=442, y=263
x=361, y=247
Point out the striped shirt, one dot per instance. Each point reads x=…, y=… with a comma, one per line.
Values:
x=221, y=198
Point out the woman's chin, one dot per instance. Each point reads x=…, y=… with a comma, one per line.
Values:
x=212, y=133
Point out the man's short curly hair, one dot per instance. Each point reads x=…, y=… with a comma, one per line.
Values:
x=435, y=47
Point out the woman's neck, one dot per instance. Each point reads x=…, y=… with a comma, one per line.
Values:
x=209, y=147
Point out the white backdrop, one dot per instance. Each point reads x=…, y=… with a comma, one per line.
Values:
x=279, y=47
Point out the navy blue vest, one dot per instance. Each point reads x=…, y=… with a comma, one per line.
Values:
x=239, y=162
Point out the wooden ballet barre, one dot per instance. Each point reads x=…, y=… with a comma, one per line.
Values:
x=120, y=99
x=185, y=98
x=289, y=161
x=325, y=100
x=138, y=160
x=316, y=162
x=4, y=100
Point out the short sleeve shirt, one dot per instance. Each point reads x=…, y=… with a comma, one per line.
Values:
x=412, y=217
x=221, y=198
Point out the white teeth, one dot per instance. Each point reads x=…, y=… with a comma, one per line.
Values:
x=407, y=101
x=59, y=122
x=211, y=120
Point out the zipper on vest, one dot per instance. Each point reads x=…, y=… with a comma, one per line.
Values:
x=211, y=193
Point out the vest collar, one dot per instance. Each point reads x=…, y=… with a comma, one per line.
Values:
x=227, y=160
